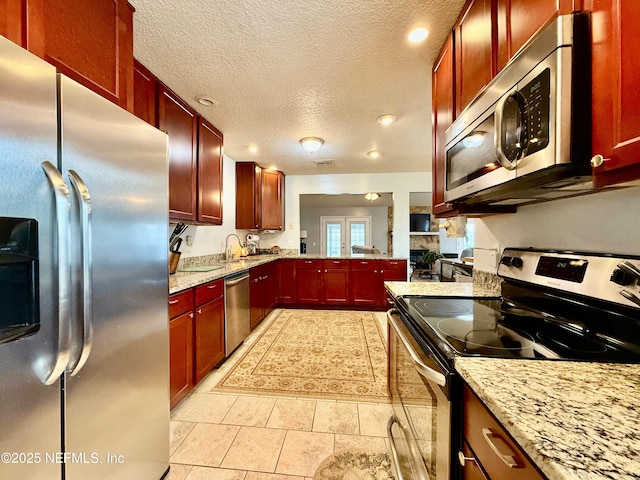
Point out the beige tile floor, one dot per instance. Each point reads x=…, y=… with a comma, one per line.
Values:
x=219, y=436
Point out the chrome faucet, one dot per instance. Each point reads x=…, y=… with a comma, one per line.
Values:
x=228, y=251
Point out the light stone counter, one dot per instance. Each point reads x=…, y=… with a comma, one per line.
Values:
x=440, y=289
x=575, y=420
x=181, y=280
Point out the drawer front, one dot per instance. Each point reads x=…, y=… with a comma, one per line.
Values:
x=335, y=264
x=365, y=264
x=394, y=264
x=500, y=456
x=209, y=291
x=180, y=303
x=309, y=264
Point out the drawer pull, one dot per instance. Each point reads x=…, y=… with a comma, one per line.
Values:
x=462, y=459
x=508, y=460
x=212, y=286
x=173, y=302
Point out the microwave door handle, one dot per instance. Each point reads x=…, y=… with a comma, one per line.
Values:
x=427, y=372
x=84, y=199
x=498, y=115
x=62, y=206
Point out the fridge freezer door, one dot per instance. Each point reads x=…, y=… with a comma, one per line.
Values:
x=117, y=403
x=30, y=411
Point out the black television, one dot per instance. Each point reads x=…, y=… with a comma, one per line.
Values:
x=419, y=222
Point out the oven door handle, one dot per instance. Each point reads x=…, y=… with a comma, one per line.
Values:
x=427, y=372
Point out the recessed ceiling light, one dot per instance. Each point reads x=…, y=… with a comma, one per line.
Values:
x=252, y=148
x=206, y=101
x=418, y=35
x=311, y=144
x=386, y=119
x=373, y=153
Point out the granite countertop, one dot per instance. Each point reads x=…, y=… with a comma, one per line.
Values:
x=440, y=289
x=181, y=280
x=575, y=420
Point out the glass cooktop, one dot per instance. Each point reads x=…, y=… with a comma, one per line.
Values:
x=477, y=327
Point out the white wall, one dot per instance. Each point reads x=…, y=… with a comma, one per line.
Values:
x=608, y=221
x=399, y=184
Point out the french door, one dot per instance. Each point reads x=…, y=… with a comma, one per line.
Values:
x=339, y=234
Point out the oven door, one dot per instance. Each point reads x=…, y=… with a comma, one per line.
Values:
x=420, y=429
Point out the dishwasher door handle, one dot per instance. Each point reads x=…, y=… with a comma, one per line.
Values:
x=235, y=281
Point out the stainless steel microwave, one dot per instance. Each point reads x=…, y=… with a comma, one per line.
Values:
x=526, y=137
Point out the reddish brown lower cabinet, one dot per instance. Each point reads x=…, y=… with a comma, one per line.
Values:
x=209, y=328
x=366, y=283
x=287, y=281
x=335, y=282
x=471, y=469
x=263, y=291
x=496, y=452
x=392, y=271
x=181, y=379
x=308, y=282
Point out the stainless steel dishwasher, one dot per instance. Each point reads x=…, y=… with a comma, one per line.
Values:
x=237, y=319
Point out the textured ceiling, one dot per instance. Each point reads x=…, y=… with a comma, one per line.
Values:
x=282, y=70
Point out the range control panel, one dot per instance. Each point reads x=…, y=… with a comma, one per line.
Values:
x=604, y=276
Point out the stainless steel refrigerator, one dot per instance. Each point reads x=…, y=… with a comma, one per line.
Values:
x=84, y=382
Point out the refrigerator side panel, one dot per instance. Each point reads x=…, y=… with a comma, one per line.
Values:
x=30, y=412
x=118, y=403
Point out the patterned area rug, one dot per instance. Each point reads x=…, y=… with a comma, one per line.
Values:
x=355, y=465
x=310, y=353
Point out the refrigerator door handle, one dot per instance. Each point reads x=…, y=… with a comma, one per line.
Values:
x=84, y=199
x=63, y=266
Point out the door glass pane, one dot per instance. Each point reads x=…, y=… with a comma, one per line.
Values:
x=357, y=234
x=334, y=240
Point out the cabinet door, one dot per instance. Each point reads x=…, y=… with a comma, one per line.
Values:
x=11, y=20
x=443, y=115
x=616, y=103
x=287, y=281
x=271, y=283
x=209, y=337
x=248, y=195
x=335, y=280
x=309, y=281
x=209, y=174
x=474, y=59
x=272, y=200
x=471, y=470
x=366, y=283
x=180, y=123
x=519, y=20
x=180, y=357
x=91, y=42
x=256, y=295
x=145, y=87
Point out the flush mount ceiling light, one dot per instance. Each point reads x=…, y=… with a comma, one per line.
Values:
x=418, y=35
x=252, y=148
x=386, y=119
x=371, y=196
x=206, y=100
x=373, y=154
x=311, y=144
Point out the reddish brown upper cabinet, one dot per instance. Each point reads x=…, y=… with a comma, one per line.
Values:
x=616, y=103
x=180, y=122
x=91, y=42
x=474, y=59
x=145, y=91
x=519, y=20
x=443, y=86
x=259, y=197
x=209, y=206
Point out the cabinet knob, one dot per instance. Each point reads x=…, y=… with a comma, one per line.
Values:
x=462, y=459
x=597, y=160
x=199, y=311
x=191, y=315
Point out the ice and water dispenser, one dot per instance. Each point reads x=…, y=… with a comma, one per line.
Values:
x=19, y=312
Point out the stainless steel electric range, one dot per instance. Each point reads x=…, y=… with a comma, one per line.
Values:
x=554, y=305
